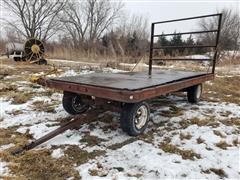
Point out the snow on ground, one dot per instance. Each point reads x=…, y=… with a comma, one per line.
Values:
x=3, y=147
x=148, y=161
x=57, y=153
x=139, y=158
x=197, y=56
x=3, y=169
x=73, y=62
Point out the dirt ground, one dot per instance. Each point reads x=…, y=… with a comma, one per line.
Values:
x=181, y=141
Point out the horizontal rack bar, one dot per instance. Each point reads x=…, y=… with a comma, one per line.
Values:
x=173, y=47
x=193, y=32
x=184, y=19
x=181, y=59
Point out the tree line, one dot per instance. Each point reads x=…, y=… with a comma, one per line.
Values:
x=103, y=27
x=177, y=40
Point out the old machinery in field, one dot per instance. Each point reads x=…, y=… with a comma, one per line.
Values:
x=32, y=51
x=15, y=51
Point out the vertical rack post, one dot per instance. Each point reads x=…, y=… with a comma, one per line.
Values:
x=151, y=50
x=217, y=41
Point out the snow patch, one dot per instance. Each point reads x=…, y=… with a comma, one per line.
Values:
x=57, y=153
x=4, y=147
x=4, y=171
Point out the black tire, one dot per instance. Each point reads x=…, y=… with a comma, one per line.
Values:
x=194, y=93
x=128, y=120
x=42, y=62
x=17, y=59
x=72, y=103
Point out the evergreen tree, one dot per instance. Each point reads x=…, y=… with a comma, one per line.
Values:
x=163, y=41
x=177, y=41
x=189, y=42
x=133, y=42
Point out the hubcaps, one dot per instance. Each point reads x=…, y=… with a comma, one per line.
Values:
x=77, y=104
x=141, y=117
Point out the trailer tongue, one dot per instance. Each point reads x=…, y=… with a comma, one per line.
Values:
x=129, y=92
x=73, y=124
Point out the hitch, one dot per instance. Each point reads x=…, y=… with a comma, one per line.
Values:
x=79, y=120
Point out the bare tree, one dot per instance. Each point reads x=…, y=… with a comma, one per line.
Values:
x=12, y=35
x=230, y=30
x=134, y=34
x=35, y=18
x=135, y=24
x=86, y=21
x=103, y=14
x=75, y=19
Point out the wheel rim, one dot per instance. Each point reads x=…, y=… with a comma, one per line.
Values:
x=199, y=89
x=77, y=104
x=141, y=117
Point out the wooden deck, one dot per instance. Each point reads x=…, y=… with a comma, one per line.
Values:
x=130, y=80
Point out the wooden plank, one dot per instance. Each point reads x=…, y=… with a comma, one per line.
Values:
x=129, y=81
x=123, y=95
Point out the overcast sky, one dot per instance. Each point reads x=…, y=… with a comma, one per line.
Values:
x=162, y=9
x=158, y=10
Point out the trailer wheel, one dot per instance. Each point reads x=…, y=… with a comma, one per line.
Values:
x=72, y=103
x=194, y=93
x=134, y=118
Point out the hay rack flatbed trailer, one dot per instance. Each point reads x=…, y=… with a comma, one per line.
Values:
x=129, y=92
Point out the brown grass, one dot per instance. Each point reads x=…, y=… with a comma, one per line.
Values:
x=200, y=140
x=223, y=145
x=44, y=106
x=218, y=133
x=8, y=136
x=236, y=142
x=19, y=98
x=186, y=154
x=172, y=112
x=119, y=145
x=231, y=122
x=210, y=121
x=60, y=121
x=220, y=172
x=199, y=122
x=100, y=171
x=17, y=112
x=224, y=86
x=79, y=156
x=4, y=87
x=40, y=165
x=185, y=136
x=91, y=140
x=93, y=172
x=138, y=175
x=229, y=61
